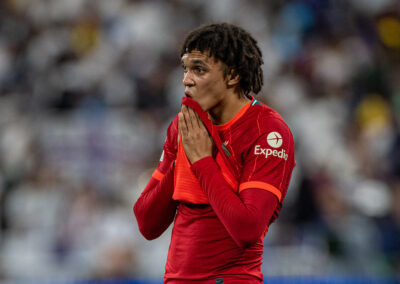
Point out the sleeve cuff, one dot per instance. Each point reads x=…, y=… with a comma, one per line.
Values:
x=203, y=163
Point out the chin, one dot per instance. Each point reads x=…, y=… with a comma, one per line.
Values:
x=203, y=104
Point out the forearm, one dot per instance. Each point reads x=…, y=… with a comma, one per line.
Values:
x=155, y=209
x=245, y=216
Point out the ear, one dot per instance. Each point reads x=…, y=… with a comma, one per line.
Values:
x=233, y=79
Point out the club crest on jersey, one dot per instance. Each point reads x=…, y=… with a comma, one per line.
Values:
x=274, y=140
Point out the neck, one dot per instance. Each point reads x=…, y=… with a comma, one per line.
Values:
x=228, y=108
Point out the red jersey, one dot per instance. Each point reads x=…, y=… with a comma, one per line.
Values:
x=206, y=242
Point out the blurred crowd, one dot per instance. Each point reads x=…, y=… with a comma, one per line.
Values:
x=88, y=88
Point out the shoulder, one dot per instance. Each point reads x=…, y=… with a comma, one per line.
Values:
x=262, y=119
x=270, y=136
x=257, y=125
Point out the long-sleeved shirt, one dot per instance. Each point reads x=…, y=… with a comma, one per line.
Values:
x=223, y=238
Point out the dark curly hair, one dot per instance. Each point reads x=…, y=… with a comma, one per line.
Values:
x=234, y=47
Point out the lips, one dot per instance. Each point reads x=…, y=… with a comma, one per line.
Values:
x=187, y=94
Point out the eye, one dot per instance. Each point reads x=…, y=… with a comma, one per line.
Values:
x=199, y=69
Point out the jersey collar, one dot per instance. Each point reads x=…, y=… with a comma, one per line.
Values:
x=237, y=116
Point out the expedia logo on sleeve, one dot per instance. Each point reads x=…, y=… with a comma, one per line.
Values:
x=274, y=139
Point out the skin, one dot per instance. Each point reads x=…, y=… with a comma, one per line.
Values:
x=205, y=83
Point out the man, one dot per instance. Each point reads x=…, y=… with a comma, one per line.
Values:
x=225, y=168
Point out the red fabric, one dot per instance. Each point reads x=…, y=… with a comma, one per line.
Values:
x=225, y=239
x=231, y=231
x=228, y=279
x=187, y=187
x=154, y=220
x=230, y=164
x=245, y=216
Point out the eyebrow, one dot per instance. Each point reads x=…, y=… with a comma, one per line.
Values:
x=196, y=62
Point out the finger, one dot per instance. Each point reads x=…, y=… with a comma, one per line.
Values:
x=186, y=114
x=182, y=128
x=194, y=118
x=201, y=124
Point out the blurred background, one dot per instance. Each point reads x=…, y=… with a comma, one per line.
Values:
x=88, y=88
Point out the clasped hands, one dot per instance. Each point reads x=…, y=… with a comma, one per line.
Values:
x=195, y=138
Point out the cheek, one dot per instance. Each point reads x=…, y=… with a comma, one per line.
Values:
x=214, y=86
x=210, y=91
x=210, y=98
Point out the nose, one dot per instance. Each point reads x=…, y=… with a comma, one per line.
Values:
x=188, y=79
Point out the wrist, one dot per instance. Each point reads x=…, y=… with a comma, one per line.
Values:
x=201, y=160
x=196, y=159
x=204, y=165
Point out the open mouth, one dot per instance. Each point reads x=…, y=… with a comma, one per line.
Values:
x=187, y=94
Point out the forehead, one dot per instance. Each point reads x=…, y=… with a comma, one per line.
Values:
x=196, y=56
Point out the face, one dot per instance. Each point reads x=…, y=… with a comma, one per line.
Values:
x=203, y=79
